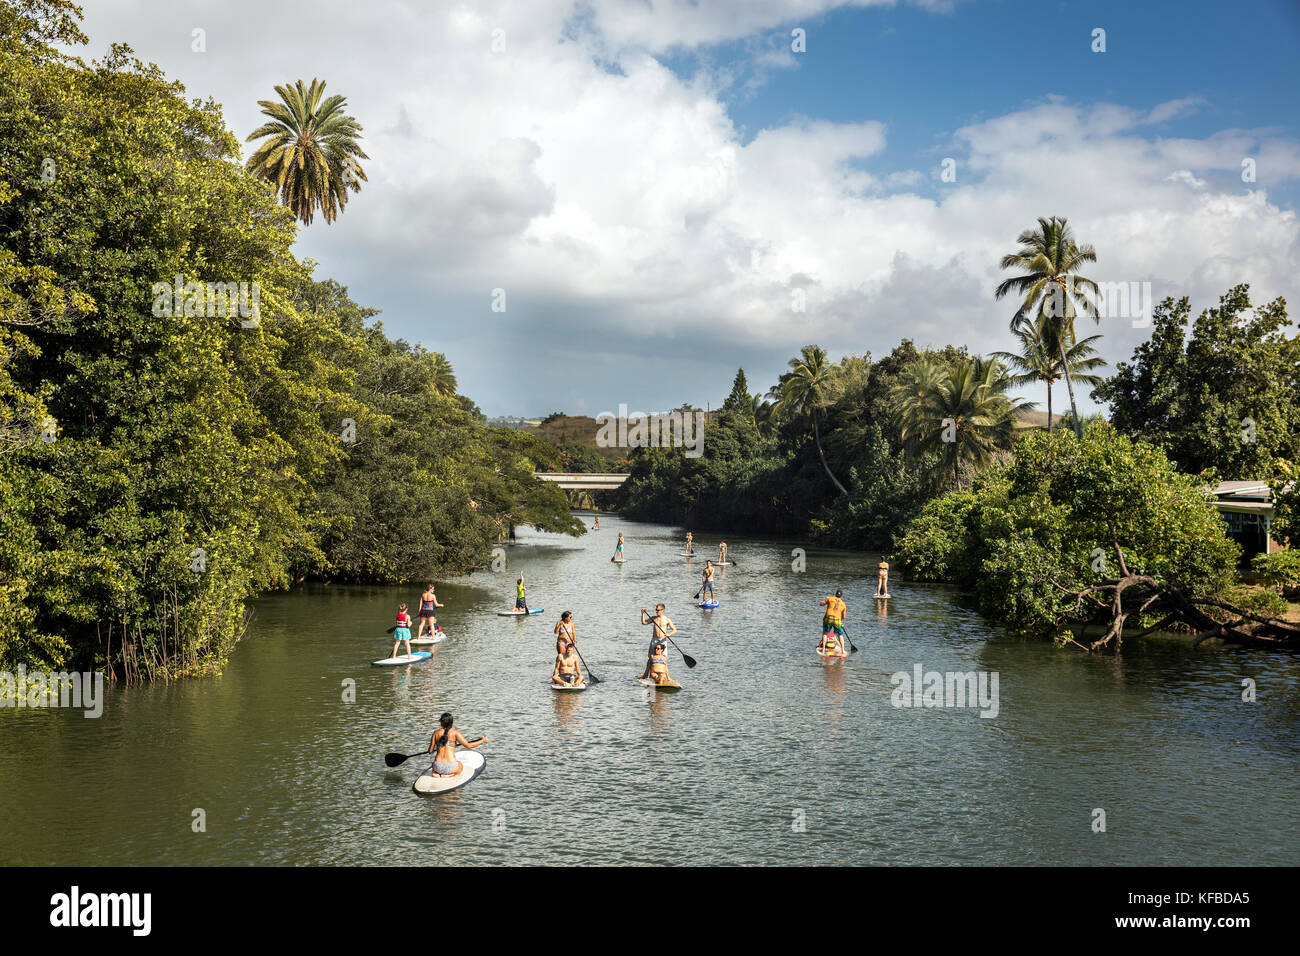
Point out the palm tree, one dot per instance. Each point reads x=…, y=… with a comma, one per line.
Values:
x=1040, y=359
x=809, y=385
x=760, y=411
x=1050, y=285
x=444, y=377
x=311, y=151
x=960, y=412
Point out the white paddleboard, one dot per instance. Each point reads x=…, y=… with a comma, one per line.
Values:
x=473, y=764
x=437, y=638
x=647, y=682
x=566, y=688
x=415, y=658
x=688, y=554
x=709, y=604
x=518, y=613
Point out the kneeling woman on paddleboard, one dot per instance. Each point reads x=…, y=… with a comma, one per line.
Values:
x=656, y=669
x=443, y=746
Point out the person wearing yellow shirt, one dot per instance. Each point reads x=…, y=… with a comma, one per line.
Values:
x=832, y=641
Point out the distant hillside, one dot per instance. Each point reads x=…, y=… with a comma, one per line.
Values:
x=507, y=421
x=575, y=430
x=1033, y=416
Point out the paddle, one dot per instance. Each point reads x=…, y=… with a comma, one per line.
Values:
x=690, y=661
x=396, y=759
x=852, y=649
x=591, y=678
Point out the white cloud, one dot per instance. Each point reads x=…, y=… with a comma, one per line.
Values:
x=626, y=216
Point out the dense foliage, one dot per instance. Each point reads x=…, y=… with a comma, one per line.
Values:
x=162, y=459
x=1224, y=398
x=1064, y=516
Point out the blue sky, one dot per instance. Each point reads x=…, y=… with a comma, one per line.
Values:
x=652, y=184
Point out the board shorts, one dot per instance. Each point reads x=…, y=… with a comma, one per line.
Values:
x=521, y=604
x=707, y=589
x=402, y=634
x=829, y=626
x=569, y=678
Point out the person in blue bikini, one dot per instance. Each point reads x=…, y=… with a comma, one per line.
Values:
x=443, y=747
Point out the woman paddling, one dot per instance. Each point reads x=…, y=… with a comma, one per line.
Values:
x=443, y=746
x=618, y=551
x=564, y=632
x=428, y=602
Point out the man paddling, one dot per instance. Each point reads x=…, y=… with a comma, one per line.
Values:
x=663, y=629
x=568, y=668
x=832, y=641
x=706, y=585
x=722, y=553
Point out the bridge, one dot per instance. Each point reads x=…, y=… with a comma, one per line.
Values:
x=594, y=481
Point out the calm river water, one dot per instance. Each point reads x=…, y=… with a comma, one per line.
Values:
x=767, y=755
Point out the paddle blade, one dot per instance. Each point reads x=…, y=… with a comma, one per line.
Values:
x=690, y=661
x=396, y=759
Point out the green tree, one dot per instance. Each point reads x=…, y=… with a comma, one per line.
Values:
x=1049, y=285
x=959, y=412
x=310, y=150
x=808, y=387
x=1079, y=533
x=739, y=399
x=1044, y=357
x=1225, y=398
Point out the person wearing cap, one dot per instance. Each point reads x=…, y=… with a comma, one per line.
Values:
x=833, y=622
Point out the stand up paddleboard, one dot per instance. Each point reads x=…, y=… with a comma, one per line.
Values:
x=473, y=764
x=566, y=687
x=687, y=554
x=646, y=682
x=518, y=613
x=403, y=659
x=708, y=604
x=883, y=597
x=832, y=656
x=436, y=638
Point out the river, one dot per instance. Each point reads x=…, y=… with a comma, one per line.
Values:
x=768, y=755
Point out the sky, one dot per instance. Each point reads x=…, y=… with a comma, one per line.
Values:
x=666, y=190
